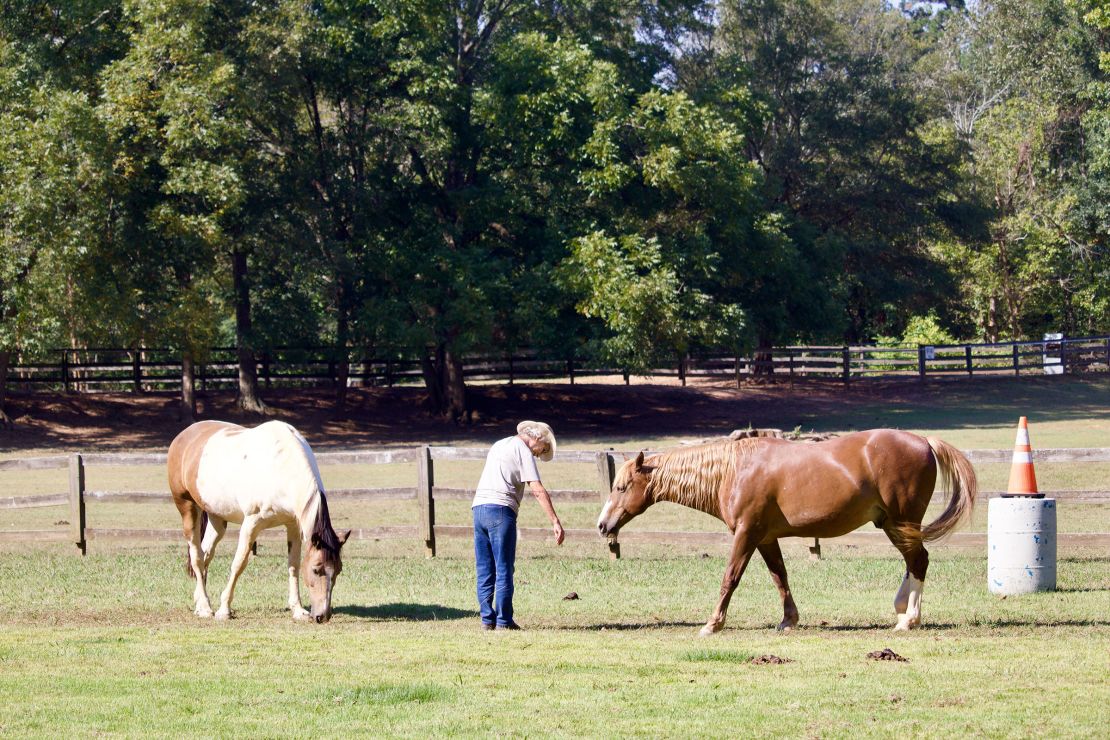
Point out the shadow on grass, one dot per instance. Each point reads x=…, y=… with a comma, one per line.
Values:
x=626, y=626
x=406, y=612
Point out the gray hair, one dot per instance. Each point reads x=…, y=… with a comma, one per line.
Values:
x=539, y=431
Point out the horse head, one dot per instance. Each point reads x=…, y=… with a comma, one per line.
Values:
x=629, y=496
x=320, y=567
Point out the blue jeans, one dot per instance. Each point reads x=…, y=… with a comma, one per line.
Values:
x=495, y=557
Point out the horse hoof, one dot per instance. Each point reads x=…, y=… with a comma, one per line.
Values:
x=707, y=631
x=203, y=613
x=786, y=627
x=301, y=615
x=223, y=614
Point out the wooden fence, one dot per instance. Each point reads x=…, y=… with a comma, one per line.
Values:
x=160, y=369
x=426, y=492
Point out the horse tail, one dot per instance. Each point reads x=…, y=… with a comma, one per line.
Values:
x=188, y=562
x=960, y=485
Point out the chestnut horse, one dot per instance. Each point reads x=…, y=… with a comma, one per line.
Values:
x=765, y=488
x=260, y=478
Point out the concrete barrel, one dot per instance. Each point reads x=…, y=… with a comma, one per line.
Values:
x=1021, y=545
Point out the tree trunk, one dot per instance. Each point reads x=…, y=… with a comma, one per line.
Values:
x=455, y=387
x=443, y=377
x=188, y=412
x=764, y=365
x=249, y=398
x=5, y=360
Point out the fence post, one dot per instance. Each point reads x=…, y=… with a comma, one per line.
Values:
x=847, y=360
x=510, y=368
x=65, y=370
x=967, y=359
x=77, y=501
x=1016, y=364
x=1064, y=356
x=606, y=471
x=682, y=369
x=921, y=362
x=570, y=370
x=137, y=371
x=424, y=482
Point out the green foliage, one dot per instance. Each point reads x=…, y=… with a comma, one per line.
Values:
x=633, y=181
x=920, y=330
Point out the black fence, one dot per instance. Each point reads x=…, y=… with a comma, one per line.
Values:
x=160, y=369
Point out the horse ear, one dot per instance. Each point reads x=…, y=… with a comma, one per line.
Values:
x=343, y=538
x=639, y=464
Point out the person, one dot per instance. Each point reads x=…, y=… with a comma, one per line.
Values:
x=510, y=466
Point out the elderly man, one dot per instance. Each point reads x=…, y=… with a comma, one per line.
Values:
x=510, y=465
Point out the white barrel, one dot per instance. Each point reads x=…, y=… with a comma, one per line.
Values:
x=1021, y=545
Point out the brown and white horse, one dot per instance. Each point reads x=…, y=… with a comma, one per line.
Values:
x=765, y=488
x=260, y=478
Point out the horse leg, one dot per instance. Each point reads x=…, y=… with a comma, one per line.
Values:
x=907, y=602
x=293, y=544
x=743, y=545
x=772, y=555
x=212, y=536
x=248, y=530
x=190, y=526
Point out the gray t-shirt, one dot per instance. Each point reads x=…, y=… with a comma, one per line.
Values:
x=509, y=465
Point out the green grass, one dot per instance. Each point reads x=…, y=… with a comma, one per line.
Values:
x=107, y=645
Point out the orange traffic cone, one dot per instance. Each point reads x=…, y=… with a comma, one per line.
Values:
x=1023, y=481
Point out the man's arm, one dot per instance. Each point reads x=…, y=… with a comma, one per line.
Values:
x=544, y=498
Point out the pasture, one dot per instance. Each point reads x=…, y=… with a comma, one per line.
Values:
x=107, y=644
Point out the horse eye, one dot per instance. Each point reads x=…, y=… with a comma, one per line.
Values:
x=318, y=571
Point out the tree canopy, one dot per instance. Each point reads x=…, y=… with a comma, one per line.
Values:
x=621, y=181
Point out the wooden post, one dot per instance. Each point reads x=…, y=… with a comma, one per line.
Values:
x=510, y=368
x=389, y=373
x=736, y=368
x=815, y=550
x=967, y=359
x=424, y=482
x=1016, y=365
x=570, y=370
x=921, y=362
x=682, y=369
x=77, y=501
x=847, y=360
x=1064, y=356
x=606, y=472
x=65, y=370
x=137, y=371
x=626, y=380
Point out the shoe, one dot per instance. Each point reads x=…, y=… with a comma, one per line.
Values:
x=509, y=626
x=487, y=626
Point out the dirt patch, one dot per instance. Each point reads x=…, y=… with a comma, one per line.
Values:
x=595, y=412
x=887, y=654
x=400, y=416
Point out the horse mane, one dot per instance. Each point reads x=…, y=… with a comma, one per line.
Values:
x=693, y=476
x=322, y=531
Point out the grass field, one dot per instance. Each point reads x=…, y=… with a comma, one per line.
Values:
x=107, y=644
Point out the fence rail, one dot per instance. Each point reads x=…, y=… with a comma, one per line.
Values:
x=426, y=492
x=160, y=369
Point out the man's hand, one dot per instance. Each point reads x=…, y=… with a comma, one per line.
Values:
x=557, y=528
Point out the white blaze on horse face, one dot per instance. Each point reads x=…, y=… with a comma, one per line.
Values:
x=604, y=513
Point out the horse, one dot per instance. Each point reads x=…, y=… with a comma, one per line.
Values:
x=260, y=478
x=765, y=488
